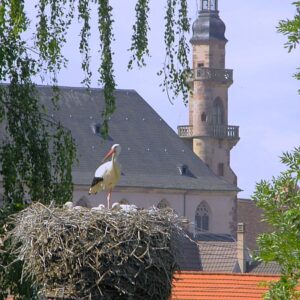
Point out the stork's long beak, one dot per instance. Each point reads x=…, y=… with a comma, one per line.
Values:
x=108, y=155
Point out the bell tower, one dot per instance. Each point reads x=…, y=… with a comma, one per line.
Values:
x=208, y=131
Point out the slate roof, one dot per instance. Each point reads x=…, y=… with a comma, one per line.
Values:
x=209, y=255
x=263, y=268
x=216, y=286
x=251, y=215
x=188, y=257
x=214, y=237
x=151, y=150
x=217, y=253
x=218, y=257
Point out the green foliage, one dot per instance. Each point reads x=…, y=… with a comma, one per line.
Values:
x=139, y=45
x=291, y=28
x=280, y=201
x=10, y=268
x=105, y=22
x=176, y=65
x=36, y=152
x=84, y=11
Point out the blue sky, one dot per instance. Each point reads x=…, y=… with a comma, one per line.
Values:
x=263, y=99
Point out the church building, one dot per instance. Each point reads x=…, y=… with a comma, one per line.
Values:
x=190, y=171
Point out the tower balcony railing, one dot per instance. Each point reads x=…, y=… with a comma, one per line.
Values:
x=221, y=75
x=216, y=131
x=185, y=131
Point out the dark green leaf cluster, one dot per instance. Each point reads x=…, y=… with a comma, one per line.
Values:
x=280, y=201
x=139, y=45
x=54, y=19
x=291, y=28
x=106, y=71
x=84, y=11
x=36, y=153
x=10, y=275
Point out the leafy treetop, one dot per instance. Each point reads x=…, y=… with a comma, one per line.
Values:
x=280, y=200
x=291, y=28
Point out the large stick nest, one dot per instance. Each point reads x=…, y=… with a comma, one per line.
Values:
x=98, y=254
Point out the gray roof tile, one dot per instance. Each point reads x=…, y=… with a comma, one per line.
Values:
x=256, y=267
x=151, y=150
x=211, y=255
x=251, y=215
x=218, y=256
x=217, y=253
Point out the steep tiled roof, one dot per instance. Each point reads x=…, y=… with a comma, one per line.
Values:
x=249, y=214
x=264, y=268
x=188, y=257
x=217, y=253
x=151, y=150
x=213, y=286
x=210, y=255
x=214, y=237
x=218, y=256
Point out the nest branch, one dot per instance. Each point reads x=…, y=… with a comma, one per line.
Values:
x=103, y=254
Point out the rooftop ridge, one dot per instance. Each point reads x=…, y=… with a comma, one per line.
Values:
x=81, y=88
x=226, y=274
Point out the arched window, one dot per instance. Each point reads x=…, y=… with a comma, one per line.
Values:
x=163, y=204
x=218, y=112
x=202, y=217
x=203, y=117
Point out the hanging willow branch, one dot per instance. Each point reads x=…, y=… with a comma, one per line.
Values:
x=54, y=21
x=84, y=48
x=36, y=153
x=106, y=68
x=139, y=46
x=183, y=27
x=176, y=62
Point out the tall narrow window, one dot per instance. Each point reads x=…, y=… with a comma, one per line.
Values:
x=221, y=169
x=203, y=117
x=213, y=4
x=209, y=4
x=218, y=112
x=202, y=217
x=204, y=5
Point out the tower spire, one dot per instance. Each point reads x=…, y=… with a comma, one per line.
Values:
x=208, y=132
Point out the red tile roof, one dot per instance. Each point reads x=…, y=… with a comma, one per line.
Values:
x=212, y=286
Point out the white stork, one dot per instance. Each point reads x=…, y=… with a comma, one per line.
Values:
x=108, y=173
